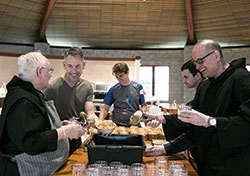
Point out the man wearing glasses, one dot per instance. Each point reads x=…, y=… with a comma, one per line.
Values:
x=32, y=138
x=127, y=96
x=220, y=118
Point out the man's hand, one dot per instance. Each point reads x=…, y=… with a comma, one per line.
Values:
x=193, y=117
x=71, y=130
x=94, y=119
x=155, y=150
x=65, y=122
x=74, y=131
x=138, y=114
x=159, y=118
x=153, y=123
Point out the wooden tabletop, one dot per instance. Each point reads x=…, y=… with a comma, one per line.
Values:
x=81, y=156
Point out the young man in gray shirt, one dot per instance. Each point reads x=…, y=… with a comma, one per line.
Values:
x=72, y=94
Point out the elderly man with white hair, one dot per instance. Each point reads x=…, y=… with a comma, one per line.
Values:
x=33, y=141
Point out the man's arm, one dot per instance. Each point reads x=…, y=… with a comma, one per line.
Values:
x=179, y=144
x=173, y=127
x=104, y=112
x=144, y=107
x=90, y=111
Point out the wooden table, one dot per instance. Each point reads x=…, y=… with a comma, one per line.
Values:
x=81, y=156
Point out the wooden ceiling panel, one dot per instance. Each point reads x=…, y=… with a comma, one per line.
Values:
x=118, y=21
x=224, y=22
x=125, y=23
x=20, y=20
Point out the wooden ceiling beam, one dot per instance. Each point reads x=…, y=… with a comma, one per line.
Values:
x=85, y=58
x=190, y=24
x=47, y=13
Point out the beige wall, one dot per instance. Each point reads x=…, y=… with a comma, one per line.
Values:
x=95, y=70
x=172, y=58
x=8, y=67
x=101, y=71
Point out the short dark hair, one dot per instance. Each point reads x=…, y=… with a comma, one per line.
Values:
x=190, y=65
x=120, y=68
x=75, y=52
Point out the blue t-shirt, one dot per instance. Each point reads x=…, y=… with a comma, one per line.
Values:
x=126, y=100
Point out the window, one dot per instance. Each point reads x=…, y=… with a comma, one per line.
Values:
x=248, y=67
x=155, y=81
x=146, y=79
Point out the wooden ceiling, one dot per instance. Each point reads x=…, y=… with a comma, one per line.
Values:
x=125, y=24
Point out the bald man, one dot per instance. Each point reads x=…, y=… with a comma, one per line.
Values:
x=220, y=118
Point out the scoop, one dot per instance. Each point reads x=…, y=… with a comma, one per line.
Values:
x=86, y=121
x=83, y=116
x=89, y=122
x=134, y=120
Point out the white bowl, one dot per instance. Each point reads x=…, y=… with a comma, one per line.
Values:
x=106, y=127
x=159, y=114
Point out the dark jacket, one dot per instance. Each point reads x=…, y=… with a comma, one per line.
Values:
x=24, y=124
x=175, y=127
x=224, y=150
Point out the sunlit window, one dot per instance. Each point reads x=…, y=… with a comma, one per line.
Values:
x=155, y=81
x=248, y=67
x=146, y=79
x=162, y=83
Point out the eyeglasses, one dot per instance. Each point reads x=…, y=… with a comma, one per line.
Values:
x=201, y=60
x=50, y=70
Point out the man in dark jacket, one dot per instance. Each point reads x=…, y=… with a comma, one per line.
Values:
x=33, y=141
x=173, y=127
x=191, y=78
x=220, y=119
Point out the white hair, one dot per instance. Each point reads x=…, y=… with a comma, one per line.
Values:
x=28, y=63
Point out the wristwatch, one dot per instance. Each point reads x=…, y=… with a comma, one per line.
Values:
x=212, y=121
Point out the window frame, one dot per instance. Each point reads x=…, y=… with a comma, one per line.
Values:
x=153, y=77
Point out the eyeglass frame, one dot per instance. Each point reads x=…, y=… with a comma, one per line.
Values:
x=50, y=70
x=201, y=60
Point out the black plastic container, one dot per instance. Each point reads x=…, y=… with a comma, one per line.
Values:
x=125, y=148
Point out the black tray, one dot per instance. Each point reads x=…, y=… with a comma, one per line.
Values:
x=125, y=148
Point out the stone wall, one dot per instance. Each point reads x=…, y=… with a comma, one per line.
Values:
x=172, y=58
